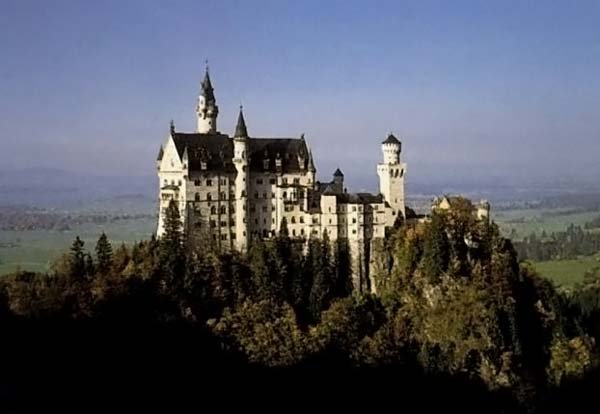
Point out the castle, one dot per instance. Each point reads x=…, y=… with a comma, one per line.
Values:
x=237, y=189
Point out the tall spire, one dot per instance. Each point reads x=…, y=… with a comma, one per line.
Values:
x=311, y=163
x=207, y=88
x=240, y=130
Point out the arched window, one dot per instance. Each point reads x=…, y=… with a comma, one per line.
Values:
x=213, y=210
x=285, y=194
x=208, y=196
x=197, y=197
x=223, y=210
x=293, y=219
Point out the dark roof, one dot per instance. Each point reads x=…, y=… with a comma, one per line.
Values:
x=217, y=151
x=214, y=149
x=329, y=190
x=292, y=152
x=338, y=173
x=240, y=128
x=360, y=198
x=207, y=88
x=391, y=139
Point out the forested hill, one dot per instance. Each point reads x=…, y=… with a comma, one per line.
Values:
x=456, y=315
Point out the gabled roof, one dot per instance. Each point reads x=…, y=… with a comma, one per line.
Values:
x=291, y=151
x=216, y=150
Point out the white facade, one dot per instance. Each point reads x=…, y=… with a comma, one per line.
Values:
x=232, y=190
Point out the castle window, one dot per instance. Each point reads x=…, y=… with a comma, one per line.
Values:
x=243, y=193
x=272, y=195
x=213, y=224
x=197, y=183
x=354, y=231
x=264, y=209
x=296, y=181
x=293, y=220
x=293, y=232
x=223, y=237
x=223, y=210
x=244, y=233
x=213, y=210
x=302, y=219
x=273, y=221
x=197, y=197
x=214, y=237
x=353, y=208
x=264, y=195
x=179, y=182
x=264, y=221
x=302, y=232
x=330, y=209
x=244, y=207
x=259, y=181
x=232, y=236
x=209, y=183
x=284, y=180
x=209, y=196
x=255, y=221
x=223, y=181
x=232, y=222
x=255, y=195
x=354, y=220
x=329, y=221
x=231, y=210
x=285, y=194
x=252, y=209
x=223, y=224
x=223, y=196
x=315, y=220
x=273, y=181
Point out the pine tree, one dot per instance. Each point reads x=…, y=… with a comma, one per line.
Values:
x=77, y=259
x=172, y=254
x=103, y=253
x=323, y=285
x=435, y=249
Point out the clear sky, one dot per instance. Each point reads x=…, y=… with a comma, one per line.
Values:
x=491, y=88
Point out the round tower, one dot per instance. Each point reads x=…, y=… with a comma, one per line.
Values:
x=391, y=175
x=207, y=109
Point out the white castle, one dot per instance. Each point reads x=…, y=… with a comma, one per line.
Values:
x=238, y=189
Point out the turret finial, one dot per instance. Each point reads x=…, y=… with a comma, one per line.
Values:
x=172, y=127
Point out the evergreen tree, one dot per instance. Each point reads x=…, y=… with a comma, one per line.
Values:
x=172, y=254
x=435, y=249
x=103, y=253
x=77, y=259
x=322, y=289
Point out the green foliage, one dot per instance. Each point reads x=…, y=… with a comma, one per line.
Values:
x=103, y=253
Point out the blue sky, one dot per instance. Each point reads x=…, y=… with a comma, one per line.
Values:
x=494, y=88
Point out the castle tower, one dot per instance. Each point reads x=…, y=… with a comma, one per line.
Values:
x=241, y=163
x=207, y=109
x=391, y=175
x=338, y=181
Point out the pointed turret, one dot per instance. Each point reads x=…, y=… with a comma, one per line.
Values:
x=172, y=127
x=207, y=109
x=240, y=129
x=311, y=163
x=207, y=89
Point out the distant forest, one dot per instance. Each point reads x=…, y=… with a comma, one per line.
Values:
x=456, y=316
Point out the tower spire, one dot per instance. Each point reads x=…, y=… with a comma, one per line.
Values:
x=207, y=109
x=240, y=130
